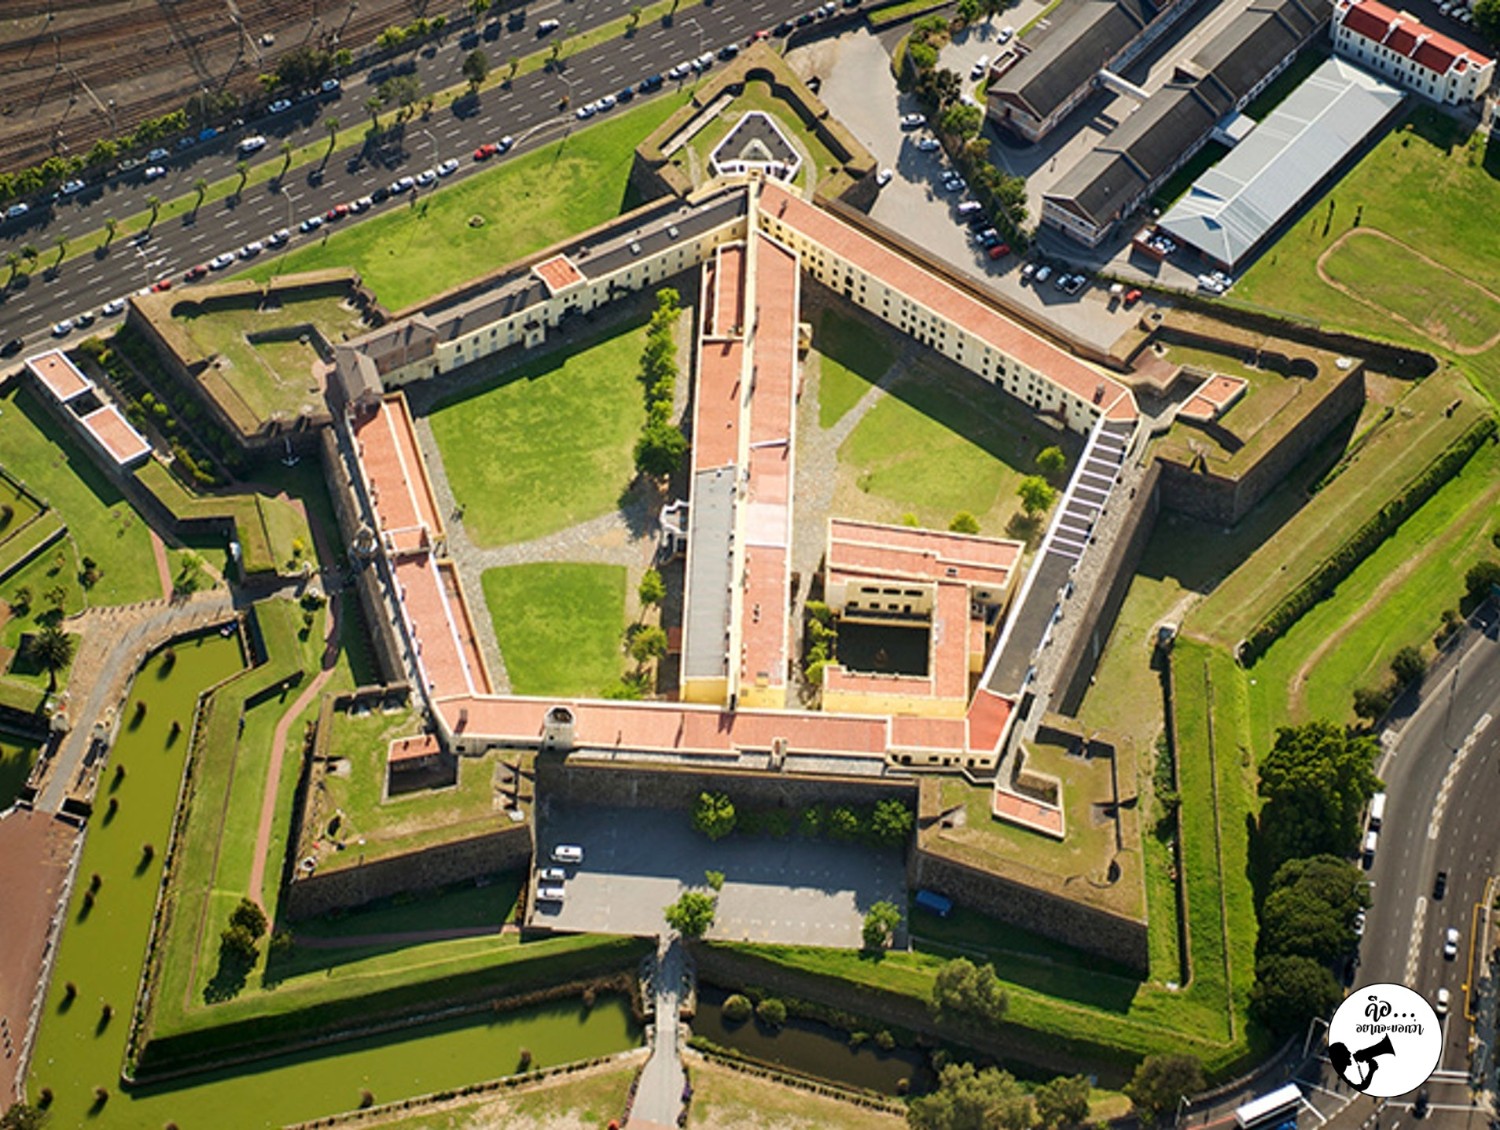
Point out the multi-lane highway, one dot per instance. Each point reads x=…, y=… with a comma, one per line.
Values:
x=1440, y=769
x=528, y=110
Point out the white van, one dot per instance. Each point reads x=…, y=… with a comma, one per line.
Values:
x=1377, y=811
x=1372, y=840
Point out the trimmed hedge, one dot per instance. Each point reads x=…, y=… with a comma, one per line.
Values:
x=1360, y=544
x=244, y=510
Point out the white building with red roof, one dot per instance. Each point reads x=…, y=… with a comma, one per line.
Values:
x=1401, y=47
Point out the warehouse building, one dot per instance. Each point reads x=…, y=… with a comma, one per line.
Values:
x=1232, y=208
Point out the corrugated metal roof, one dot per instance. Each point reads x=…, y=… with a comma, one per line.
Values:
x=1232, y=206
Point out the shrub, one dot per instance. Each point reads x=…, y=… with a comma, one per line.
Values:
x=771, y=1012
x=737, y=1008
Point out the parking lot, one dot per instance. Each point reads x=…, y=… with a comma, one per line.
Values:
x=637, y=861
x=858, y=87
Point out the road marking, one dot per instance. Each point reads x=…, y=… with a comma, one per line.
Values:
x=1419, y=919
x=1441, y=805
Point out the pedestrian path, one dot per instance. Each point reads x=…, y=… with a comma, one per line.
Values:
x=658, y=1099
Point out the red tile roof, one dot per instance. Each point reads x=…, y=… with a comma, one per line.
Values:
x=937, y=294
x=1408, y=37
x=558, y=273
x=396, y=472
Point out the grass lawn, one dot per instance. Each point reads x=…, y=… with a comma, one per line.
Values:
x=586, y=1099
x=1392, y=456
x=16, y=509
x=17, y=755
x=1431, y=186
x=35, y=450
x=850, y=360
x=492, y=904
x=1393, y=599
x=559, y=625
x=726, y=1099
x=269, y=377
x=412, y=252
x=550, y=444
x=935, y=445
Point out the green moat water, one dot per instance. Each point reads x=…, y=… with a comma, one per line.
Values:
x=102, y=952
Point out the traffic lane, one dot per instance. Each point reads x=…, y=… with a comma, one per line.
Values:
x=701, y=28
x=529, y=104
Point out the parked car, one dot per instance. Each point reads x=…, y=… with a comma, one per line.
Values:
x=330, y=85
x=584, y=112
x=252, y=249
x=551, y=874
x=85, y=320
x=363, y=204
x=251, y=144
x=1005, y=34
x=404, y=184
x=883, y=177
x=1043, y=273
x=650, y=83
x=486, y=151
x=567, y=853
x=161, y=284
x=72, y=187
x=16, y=211
x=1132, y=296
x=193, y=274
x=981, y=65
x=626, y=94
x=112, y=307
x=506, y=142
x=426, y=177
x=281, y=105
x=729, y=51
x=12, y=347
x=448, y=167
x=546, y=27
x=608, y=102
x=157, y=154
x=928, y=145
x=219, y=262
x=278, y=237
x=551, y=892
x=998, y=251
x=913, y=121
x=155, y=171
x=62, y=328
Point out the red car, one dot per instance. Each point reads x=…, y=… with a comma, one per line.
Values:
x=195, y=273
x=161, y=284
x=763, y=33
x=1132, y=297
x=337, y=212
x=486, y=151
x=999, y=249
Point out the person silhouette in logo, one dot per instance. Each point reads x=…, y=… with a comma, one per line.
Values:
x=1340, y=1057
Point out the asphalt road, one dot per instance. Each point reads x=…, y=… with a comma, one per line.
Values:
x=1441, y=780
x=528, y=110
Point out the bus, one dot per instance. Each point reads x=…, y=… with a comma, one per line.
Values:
x=1273, y=1111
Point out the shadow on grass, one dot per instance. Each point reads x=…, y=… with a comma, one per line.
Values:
x=229, y=978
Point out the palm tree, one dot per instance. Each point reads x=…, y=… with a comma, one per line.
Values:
x=286, y=157
x=53, y=649
x=372, y=107
x=243, y=169
x=154, y=203
x=110, y=224
x=30, y=253
x=331, y=124
x=515, y=65
x=62, y=251
x=200, y=186
x=13, y=261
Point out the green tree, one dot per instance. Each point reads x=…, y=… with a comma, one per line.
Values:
x=635, y=18
x=111, y=225
x=963, y=989
x=1063, y=1102
x=652, y=590
x=1051, y=461
x=241, y=170
x=891, y=822
x=714, y=815
x=964, y=523
x=372, y=107
x=200, y=186
x=1371, y=703
x=153, y=202
x=969, y=1099
x=475, y=68
x=961, y=120
x=1487, y=19
x=692, y=914
x=331, y=126
x=30, y=253
x=1036, y=494
x=660, y=450
x=1482, y=576
x=238, y=944
x=771, y=1012
x=1290, y=989
x=479, y=7
x=53, y=649
x=13, y=261
x=1316, y=780
x=648, y=643
x=249, y=915
x=969, y=11
x=513, y=64
x=1409, y=665
x=23, y=1116
x=714, y=879
x=881, y=923
x=1161, y=1082
x=1310, y=908
x=737, y=1008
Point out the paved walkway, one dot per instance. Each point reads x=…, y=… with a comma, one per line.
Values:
x=272, y=790
x=115, y=641
x=658, y=1099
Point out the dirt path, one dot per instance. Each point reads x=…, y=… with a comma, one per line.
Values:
x=1421, y=331
x=1297, y=690
x=278, y=750
x=163, y=566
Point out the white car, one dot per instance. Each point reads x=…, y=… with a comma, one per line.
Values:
x=330, y=85
x=72, y=187
x=251, y=144
x=363, y=204
x=112, y=307
x=551, y=874
x=1043, y=273
x=312, y=223
x=447, y=168
x=1005, y=34
x=679, y=70
x=154, y=171
x=883, y=177
x=913, y=121
x=252, y=249
x=981, y=65
x=278, y=237
x=567, y=853
x=62, y=328
x=1359, y=924
x=586, y=111
x=219, y=262
x=16, y=211
x=928, y=145
x=403, y=185
x=505, y=142
x=550, y=892
x=1440, y=1006
x=426, y=177
x=607, y=102
x=548, y=26
x=279, y=106
x=1450, y=939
